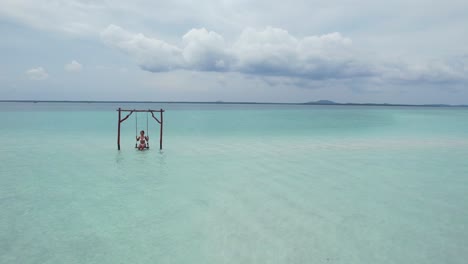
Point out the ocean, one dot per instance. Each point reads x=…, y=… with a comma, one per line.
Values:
x=234, y=183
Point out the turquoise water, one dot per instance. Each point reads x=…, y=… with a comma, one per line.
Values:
x=234, y=184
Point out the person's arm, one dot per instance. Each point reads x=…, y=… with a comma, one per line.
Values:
x=147, y=138
x=137, y=138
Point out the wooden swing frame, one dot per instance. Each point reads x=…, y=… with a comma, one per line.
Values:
x=160, y=122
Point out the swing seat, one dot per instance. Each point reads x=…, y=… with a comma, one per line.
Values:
x=146, y=147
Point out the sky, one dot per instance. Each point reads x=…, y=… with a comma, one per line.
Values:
x=413, y=52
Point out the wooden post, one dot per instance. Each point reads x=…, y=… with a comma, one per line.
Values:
x=118, y=132
x=161, y=130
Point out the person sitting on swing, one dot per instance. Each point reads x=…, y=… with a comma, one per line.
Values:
x=143, y=139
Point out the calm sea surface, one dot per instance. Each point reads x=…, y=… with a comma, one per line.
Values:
x=234, y=184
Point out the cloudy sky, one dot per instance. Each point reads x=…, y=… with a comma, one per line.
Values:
x=265, y=51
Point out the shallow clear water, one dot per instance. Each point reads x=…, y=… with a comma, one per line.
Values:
x=234, y=184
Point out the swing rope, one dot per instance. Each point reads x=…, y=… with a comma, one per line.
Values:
x=147, y=131
x=136, y=129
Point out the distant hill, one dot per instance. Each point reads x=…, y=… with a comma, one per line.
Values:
x=322, y=102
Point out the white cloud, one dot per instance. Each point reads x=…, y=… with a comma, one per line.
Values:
x=274, y=52
x=73, y=66
x=38, y=73
x=151, y=54
x=205, y=50
x=271, y=51
x=449, y=71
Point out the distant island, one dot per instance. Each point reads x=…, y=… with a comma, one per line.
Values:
x=323, y=102
x=328, y=102
x=319, y=102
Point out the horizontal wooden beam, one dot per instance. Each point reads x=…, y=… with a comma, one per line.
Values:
x=149, y=110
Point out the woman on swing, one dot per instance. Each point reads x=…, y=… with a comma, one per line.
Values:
x=142, y=139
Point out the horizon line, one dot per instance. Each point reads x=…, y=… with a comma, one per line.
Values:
x=319, y=102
